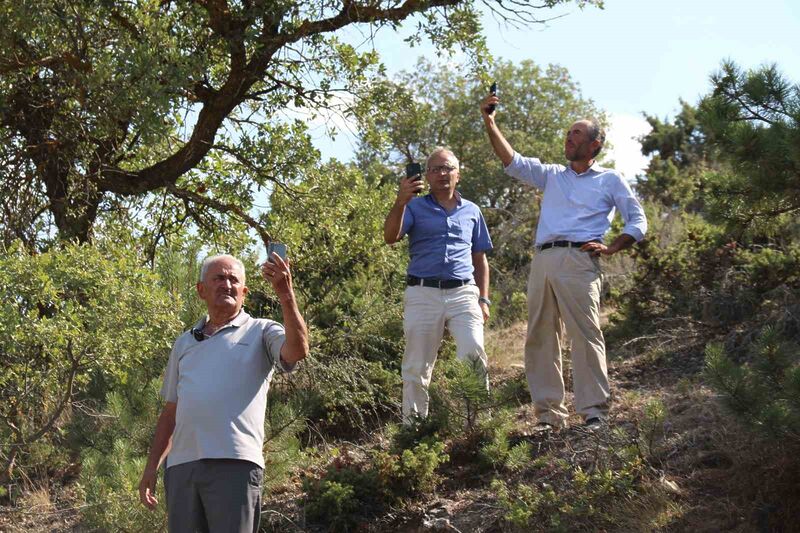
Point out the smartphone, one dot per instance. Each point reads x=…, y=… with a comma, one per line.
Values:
x=414, y=170
x=493, y=92
x=277, y=247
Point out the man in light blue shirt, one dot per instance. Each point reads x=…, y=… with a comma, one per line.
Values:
x=448, y=275
x=577, y=208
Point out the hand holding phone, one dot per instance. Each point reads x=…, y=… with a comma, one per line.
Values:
x=277, y=247
x=493, y=91
x=414, y=173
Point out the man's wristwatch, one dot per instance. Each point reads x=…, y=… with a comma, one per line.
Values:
x=485, y=300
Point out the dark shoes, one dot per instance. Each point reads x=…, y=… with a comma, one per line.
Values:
x=593, y=424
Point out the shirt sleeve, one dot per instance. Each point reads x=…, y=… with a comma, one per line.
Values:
x=528, y=170
x=481, y=241
x=408, y=220
x=630, y=209
x=169, y=389
x=274, y=336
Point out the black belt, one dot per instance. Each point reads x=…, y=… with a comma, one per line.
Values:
x=437, y=283
x=562, y=244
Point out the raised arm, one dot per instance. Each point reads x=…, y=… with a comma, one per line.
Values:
x=393, y=225
x=295, y=346
x=500, y=145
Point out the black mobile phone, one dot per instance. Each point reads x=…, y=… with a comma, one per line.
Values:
x=414, y=170
x=493, y=92
x=277, y=247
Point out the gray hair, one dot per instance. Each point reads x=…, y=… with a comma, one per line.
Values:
x=596, y=133
x=213, y=259
x=442, y=150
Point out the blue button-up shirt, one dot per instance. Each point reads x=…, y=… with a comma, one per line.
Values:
x=441, y=244
x=579, y=207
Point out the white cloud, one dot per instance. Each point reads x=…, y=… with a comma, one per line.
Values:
x=626, y=152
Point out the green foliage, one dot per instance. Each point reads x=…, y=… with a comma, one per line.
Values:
x=413, y=472
x=348, y=396
x=459, y=389
x=91, y=128
x=350, y=282
x=113, y=463
x=436, y=105
x=651, y=428
x=333, y=504
x=284, y=422
x=350, y=286
x=586, y=502
x=498, y=452
x=680, y=158
x=76, y=323
x=753, y=119
x=763, y=393
x=350, y=493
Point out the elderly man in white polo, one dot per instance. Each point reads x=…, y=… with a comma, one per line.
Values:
x=211, y=429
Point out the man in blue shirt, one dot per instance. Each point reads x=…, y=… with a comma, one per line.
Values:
x=577, y=207
x=448, y=275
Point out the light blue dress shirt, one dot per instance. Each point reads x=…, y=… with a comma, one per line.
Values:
x=579, y=207
x=441, y=243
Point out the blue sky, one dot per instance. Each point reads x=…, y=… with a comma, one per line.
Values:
x=632, y=56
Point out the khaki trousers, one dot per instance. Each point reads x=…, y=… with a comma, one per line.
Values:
x=564, y=287
x=427, y=311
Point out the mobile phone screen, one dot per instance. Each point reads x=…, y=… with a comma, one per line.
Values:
x=414, y=170
x=277, y=247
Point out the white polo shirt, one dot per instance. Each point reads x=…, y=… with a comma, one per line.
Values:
x=220, y=385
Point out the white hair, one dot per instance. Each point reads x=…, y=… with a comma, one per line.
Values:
x=442, y=150
x=213, y=259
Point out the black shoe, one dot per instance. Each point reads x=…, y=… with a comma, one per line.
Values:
x=594, y=423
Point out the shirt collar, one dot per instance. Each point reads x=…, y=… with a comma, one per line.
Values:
x=237, y=321
x=432, y=198
x=594, y=168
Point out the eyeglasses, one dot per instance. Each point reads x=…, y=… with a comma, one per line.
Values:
x=441, y=168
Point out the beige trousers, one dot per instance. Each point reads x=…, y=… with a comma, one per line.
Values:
x=427, y=311
x=564, y=287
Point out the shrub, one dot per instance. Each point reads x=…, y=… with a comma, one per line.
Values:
x=411, y=473
x=651, y=428
x=76, y=322
x=497, y=452
x=764, y=393
x=350, y=492
x=334, y=504
x=348, y=396
x=586, y=500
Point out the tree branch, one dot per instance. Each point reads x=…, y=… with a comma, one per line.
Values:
x=223, y=208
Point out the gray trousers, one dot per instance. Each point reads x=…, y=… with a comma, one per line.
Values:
x=214, y=496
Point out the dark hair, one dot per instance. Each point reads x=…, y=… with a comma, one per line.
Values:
x=595, y=132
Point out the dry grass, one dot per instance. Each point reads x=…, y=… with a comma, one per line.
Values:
x=505, y=346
